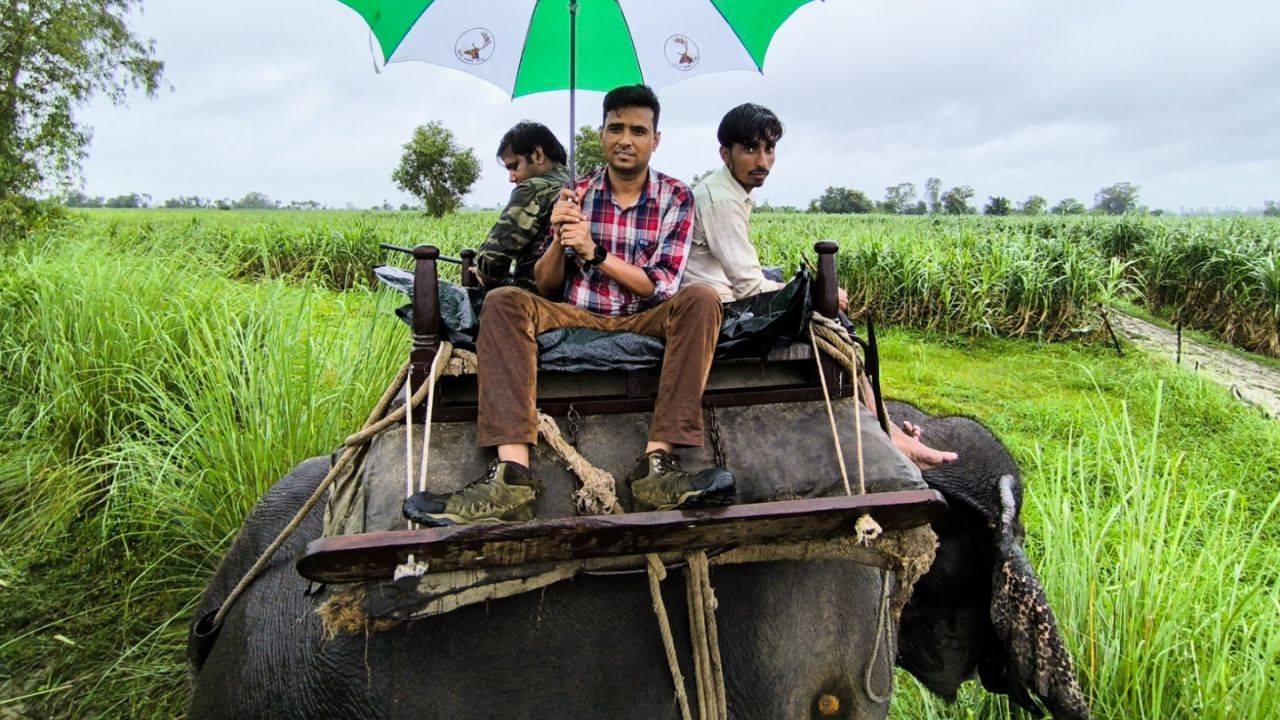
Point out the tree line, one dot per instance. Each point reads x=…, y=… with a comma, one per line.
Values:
x=904, y=199
x=251, y=201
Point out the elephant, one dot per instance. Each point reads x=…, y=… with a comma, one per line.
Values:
x=797, y=638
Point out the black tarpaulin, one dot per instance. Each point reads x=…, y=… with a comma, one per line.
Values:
x=751, y=327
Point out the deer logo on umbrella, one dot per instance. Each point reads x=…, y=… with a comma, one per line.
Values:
x=474, y=46
x=682, y=53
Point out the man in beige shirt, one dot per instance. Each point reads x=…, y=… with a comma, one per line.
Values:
x=721, y=255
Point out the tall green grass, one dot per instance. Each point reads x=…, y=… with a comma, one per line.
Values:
x=1221, y=276
x=148, y=403
x=1151, y=516
x=1041, y=277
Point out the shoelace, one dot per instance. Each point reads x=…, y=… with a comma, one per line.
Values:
x=668, y=463
x=489, y=474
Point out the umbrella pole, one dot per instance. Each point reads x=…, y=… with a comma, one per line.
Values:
x=573, y=83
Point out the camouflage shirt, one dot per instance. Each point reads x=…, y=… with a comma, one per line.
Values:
x=512, y=248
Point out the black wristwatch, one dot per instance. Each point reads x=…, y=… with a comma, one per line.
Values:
x=597, y=258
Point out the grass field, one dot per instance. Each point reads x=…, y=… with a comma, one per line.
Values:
x=159, y=371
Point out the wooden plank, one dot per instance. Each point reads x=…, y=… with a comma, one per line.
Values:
x=351, y=558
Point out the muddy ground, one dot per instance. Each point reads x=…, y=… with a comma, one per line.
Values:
x=1252, y=382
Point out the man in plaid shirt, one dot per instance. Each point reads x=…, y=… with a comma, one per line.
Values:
x=628, y=229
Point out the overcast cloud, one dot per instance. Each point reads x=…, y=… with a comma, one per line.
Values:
x=1010, y=97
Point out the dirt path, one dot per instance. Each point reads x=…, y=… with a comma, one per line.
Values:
x=1252, y=382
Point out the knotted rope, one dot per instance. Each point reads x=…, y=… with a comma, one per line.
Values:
x=706, y=638
x=598, y=494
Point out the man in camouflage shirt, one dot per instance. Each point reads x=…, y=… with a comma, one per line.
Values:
x=535, y=160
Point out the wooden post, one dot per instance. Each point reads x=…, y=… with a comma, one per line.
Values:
x=468, y=261
x=426, y=312
x=827, y=302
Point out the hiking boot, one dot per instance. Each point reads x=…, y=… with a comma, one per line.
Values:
x=658, y=483
x=502, y=495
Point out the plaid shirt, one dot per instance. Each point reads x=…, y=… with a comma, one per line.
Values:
x=653, y=235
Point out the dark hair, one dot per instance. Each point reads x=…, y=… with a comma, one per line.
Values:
x=528, y=136
x=747, y=124
x=631, y=96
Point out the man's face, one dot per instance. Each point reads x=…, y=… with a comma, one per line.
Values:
x=629, y=139
x=522, y=167
x=749, y=163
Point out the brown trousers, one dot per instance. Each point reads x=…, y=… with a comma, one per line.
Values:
x=689, y=323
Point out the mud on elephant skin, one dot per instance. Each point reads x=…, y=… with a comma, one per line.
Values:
x=789, y=633
x=980, y=609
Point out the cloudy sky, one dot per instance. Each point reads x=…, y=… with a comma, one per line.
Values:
x=1011, y=97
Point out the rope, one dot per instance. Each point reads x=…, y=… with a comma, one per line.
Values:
x=658, y=573
x=598, y=494
x=881, y=625
x=411, y=567
x=706, y=639
x=830, y=337
x=444, y=351
x=831, y=418
x=352, y=445
x=408, y=450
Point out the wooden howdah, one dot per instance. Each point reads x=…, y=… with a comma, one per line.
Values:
x=352, y=558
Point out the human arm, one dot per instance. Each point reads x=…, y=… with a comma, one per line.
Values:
x=519, y=231
x=548, y=272
x=725, y=226
x=632, y=278
x=663, y=259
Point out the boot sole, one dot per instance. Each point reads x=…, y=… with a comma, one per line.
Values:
x=450, y=519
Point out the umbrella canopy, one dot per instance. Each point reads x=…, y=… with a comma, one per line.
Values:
x=523, y=46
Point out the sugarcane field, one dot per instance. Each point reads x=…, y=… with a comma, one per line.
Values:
x=586, y=382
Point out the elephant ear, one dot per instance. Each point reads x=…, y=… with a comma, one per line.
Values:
x=981, y=607
x=1033, y=660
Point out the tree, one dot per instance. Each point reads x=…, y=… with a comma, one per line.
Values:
x=1068, y=206
x=932, y=188
x=132, y=200
x=1271, y=208
x=77, y=199
x=436, y=169
x=842, y=201
x=956, y=200
x=255, y=201
x=588, y=152
x=1116, y=199
x=998, y=205
x=186, y=203
x=1033, y=205
x=900, y=198
x=54, y=56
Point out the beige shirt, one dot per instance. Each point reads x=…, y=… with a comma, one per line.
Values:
x=721, y=255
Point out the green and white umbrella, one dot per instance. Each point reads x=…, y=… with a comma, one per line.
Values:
x=532, y=46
